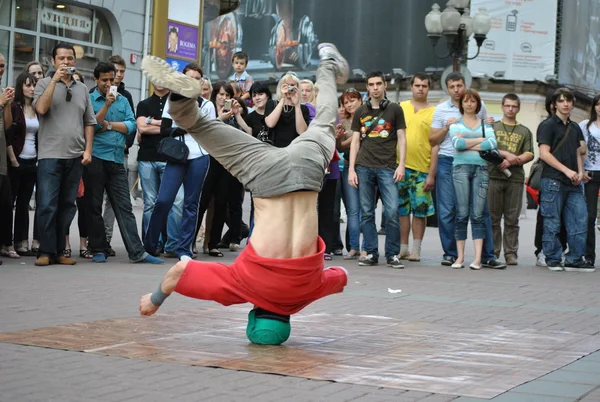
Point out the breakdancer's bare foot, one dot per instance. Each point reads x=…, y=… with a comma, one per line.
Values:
x=146, y=306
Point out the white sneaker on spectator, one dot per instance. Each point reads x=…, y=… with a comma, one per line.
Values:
x=541, y=260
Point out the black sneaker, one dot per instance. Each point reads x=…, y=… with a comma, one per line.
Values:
x=580, y=266
x=368, y=260
x=394, y=262
x=494, y=264
x=555, y=266
x=448, y=260
x=111, y=252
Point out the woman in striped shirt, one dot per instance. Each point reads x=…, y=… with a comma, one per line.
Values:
x=470, y=174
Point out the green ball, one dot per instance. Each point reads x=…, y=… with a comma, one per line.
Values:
x=266, y=331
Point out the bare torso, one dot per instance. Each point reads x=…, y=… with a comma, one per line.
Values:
x=286, y=226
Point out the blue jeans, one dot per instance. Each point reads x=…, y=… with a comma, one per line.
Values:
x=446, y=211
x=368, y=178
x=351, y=197
x=57, y=184
x=191, y=174
x=151, y=174
x=471, y=184
x=560, y=199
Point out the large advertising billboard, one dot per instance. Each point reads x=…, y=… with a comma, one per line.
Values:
x=579, y=63
x=281, y=35
x=521, y=44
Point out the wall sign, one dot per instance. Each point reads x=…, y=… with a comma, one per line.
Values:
x=73, y=22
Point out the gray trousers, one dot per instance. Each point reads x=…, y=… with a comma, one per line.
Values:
x=263, y=169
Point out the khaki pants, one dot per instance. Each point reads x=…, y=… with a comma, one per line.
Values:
x=505, y=199
x=263, y=169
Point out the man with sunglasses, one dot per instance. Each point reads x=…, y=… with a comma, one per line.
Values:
x=65, y=140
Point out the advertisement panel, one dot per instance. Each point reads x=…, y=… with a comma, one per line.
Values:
x=580, y=45
x=281, y=35
x=521, y=42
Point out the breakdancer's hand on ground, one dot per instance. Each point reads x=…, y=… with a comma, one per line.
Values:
x=146, y=306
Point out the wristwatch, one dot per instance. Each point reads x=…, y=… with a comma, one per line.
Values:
x=109, y=126
x=148, y=120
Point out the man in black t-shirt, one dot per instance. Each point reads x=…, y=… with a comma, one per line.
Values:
x=151, y=166
x=378, y=137
x=561, y=193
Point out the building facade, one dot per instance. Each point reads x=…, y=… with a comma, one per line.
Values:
x=97, y=28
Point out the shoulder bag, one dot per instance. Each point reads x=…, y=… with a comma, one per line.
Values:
x=173, y=149
x=535, y=174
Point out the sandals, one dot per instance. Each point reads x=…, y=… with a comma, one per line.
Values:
x=352, y=255
x=13, y=254
x=338, y=252
x=67, y=253
x=87, y=254
x=327, y=257
x=215, y=253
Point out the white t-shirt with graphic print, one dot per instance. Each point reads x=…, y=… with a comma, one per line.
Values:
x=592, y=139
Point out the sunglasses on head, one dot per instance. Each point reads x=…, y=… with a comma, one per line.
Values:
x=352, y=90
x=69, y=94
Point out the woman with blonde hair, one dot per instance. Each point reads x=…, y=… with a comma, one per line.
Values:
x=289, y=118
x=309, y=92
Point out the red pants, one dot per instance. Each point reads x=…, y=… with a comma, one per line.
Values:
x=282, y=286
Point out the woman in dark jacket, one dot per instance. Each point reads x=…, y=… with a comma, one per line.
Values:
x=22, y=152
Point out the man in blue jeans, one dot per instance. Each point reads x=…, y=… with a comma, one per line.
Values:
x=65, y=140
x=446, y=114
x=378, y=137
x=560, y=140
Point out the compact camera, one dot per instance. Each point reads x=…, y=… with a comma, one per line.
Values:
x=228, y=104
x=71, y=70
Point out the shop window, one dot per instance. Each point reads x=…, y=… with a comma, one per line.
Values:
x=24, y=52
x=5, y=12
x=26, y=12
x=87, y=58
x=103, y=35
x=4, y=38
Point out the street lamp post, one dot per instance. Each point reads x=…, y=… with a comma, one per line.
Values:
x=457, y=26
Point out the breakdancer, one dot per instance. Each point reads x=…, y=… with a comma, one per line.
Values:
x=281, y=270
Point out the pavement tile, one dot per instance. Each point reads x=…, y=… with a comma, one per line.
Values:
x=572, y=377
x=553, y=388
x=520, y=397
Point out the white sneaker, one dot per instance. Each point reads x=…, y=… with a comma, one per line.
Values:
x=541, y=260
x=163, y=75
x=328, y=51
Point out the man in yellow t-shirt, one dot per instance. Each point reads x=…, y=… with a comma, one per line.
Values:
x=421, y=160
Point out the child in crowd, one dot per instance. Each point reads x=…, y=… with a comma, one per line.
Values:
x=241, y=77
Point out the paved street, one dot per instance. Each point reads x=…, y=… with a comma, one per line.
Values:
x=521, y=299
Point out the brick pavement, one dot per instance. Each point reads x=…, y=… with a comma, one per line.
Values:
x=523, y=297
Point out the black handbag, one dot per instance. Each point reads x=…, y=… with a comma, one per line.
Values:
x=492, y=156
x=170, y=148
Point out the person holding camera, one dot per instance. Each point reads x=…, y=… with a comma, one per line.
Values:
x=470, y=174
x=106, y=171
x=65, y=140
x=289, y=118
